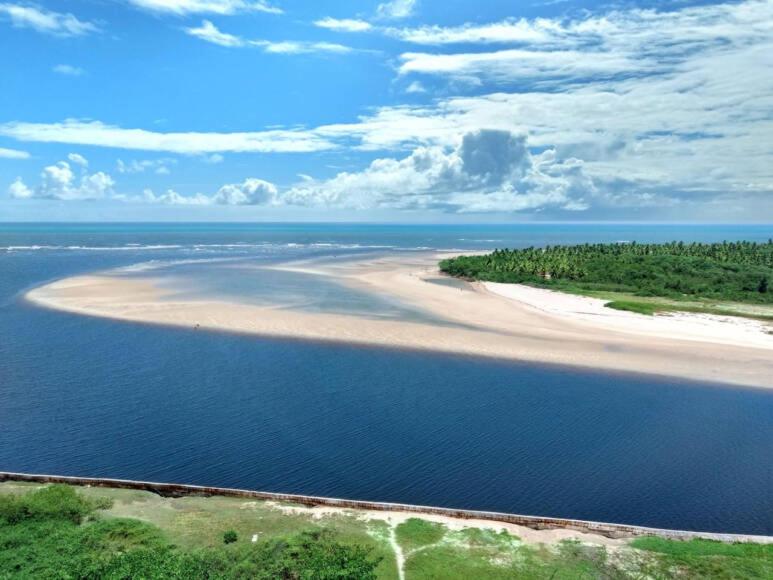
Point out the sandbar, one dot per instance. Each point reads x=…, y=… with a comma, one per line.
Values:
x=502, y=321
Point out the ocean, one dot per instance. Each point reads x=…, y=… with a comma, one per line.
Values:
x=94, y=397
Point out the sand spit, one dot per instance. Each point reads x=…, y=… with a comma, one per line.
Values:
x=494, y=320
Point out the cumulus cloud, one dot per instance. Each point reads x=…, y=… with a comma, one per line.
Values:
x=488, y=170
x=221, y=7
x=250, y=192
x=13, y=154
x=19, y=190
x=45, y=21
x=58, y=181
x=69, y=70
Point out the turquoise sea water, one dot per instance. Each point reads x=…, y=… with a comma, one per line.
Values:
x=94, y=397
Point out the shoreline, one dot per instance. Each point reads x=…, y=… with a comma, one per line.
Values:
x=484, y=319
x=537, y=528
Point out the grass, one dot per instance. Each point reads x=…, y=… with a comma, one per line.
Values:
x=709, y=559
x=638, y=307
x=60, y=531
x=57, y=532
x=416, y=533
x=649, y=305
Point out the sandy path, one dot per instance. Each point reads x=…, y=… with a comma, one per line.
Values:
x=492, y=320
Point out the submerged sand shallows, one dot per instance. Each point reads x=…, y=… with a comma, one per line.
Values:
x=485, y=319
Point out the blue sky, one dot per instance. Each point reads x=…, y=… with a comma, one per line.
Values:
x=420, y=110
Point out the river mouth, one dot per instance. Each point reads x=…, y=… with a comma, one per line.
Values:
x=95, y=397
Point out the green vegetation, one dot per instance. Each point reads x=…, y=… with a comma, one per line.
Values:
x=416, y=533
x=65, y=532
x=46, y=534
x=639, y=307
x=709, y=559
x=229, y=537
x=703, y=274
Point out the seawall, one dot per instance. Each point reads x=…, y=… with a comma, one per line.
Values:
x=534, y=522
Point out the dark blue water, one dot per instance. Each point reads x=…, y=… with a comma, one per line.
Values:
x=93, y=397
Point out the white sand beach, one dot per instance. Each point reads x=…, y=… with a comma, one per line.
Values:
x=483, y=319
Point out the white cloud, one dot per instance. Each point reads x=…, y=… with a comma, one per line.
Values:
x=396, y=9
x=689, y=118
x=415, y=88
x=13, y=154
x=59, y=182
x=19, y=190
x=69, y=70
x=488, y=170
x=300, y=47
x=514, y=65
x=250, y=192
x=171, y=197
x=538, y=31
x=624, y=43
x=344, y=24
x=209, y=32
x=158, y=166
x=214, y=159
x=45, y=21
x=78, y=159
x=221, y=7
x=101, y=135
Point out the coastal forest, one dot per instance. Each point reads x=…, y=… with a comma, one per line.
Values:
x=725, y=271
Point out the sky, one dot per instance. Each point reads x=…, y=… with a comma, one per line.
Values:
x=400, y=111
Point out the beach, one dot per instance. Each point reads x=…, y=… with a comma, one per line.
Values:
x=480, y=319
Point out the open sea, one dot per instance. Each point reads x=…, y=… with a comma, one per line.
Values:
x=94, y=397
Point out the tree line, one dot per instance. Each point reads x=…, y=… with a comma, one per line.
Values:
x=740, y=271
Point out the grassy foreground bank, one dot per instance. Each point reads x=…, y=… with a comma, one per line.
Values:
x=733, y=278
x=72, y=532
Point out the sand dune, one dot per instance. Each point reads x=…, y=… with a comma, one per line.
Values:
x=494, y=320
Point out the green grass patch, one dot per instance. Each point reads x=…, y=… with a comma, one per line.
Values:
x=55, y=532
x=417, y=533
x=709, y=559
x=637, y=307
x=701, y=548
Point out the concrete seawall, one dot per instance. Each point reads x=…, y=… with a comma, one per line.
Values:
x=534, y=522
